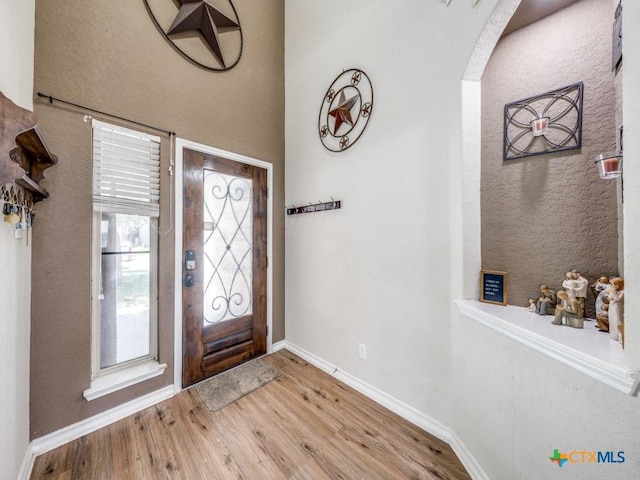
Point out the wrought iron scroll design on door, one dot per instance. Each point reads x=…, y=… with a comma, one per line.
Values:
x=562, y=109
x=228, y=247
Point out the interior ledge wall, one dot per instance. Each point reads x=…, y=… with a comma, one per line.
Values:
x=525, y=402
x=545, y=215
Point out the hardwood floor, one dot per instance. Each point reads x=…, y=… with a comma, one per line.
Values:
x=303, y=425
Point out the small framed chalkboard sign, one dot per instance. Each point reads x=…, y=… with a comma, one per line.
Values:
x=493, y=287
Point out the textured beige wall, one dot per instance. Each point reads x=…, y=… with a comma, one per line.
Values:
x=545, y=215
x=110, y=56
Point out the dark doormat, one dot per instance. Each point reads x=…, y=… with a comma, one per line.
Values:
x=230, y=386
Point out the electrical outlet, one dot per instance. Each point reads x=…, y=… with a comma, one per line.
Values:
x=362, y=351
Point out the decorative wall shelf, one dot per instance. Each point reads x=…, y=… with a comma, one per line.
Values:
x=24, y=155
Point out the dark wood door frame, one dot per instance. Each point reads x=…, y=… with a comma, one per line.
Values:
x=180, y=145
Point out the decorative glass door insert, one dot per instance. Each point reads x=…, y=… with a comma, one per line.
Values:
x=227, y=247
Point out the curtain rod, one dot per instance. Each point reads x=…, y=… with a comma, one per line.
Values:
x=52, y=99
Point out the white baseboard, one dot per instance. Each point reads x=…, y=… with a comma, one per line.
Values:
x=311, y=358
x=407, y=412
x=467, y=459
x=73, y=432
x=27, y=464
x=278, y=346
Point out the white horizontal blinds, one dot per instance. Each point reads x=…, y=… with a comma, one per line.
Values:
x=126, y=170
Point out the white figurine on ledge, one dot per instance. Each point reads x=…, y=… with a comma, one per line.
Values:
x=546, y=304
x=570, y=285
x=615, y=293
x=581, y=287
x=570, y=310
x=601, y=284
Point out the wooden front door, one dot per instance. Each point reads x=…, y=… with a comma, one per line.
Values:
x=224, y=288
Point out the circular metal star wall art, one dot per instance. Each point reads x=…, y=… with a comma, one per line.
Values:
x=345, y=110
x=206, y=32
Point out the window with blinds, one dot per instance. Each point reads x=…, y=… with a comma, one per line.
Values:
x=126, y=170
x=126, y=206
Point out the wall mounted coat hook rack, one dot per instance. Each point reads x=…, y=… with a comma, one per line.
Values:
x=315, y=207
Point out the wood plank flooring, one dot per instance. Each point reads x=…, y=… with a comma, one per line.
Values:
x=306, y=425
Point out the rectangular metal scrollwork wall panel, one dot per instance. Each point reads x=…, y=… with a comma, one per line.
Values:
x=561, y=114
x=228, y=247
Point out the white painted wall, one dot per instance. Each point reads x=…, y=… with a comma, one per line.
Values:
x=385, y=269
x=17, y=23
x=377, y=271
x=16, y=82
x=631, y=117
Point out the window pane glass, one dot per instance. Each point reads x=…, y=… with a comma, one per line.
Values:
x=125, y=290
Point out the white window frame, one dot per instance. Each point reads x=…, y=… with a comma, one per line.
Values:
x=116, y=377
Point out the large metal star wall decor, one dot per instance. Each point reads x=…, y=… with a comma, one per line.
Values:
x=201, y=19
x=345, y=110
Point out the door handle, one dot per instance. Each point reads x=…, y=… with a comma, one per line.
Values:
x=189, y=265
